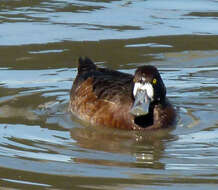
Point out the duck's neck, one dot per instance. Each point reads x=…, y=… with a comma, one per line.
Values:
x=147, y=120
x=161, y=102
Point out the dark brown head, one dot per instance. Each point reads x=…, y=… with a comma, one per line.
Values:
x=148, y=88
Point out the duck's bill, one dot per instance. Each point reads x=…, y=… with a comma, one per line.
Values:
x=141, y=103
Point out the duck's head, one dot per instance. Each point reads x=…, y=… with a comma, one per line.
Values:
x=148, y=88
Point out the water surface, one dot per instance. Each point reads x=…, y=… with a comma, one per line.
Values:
x=42, y=146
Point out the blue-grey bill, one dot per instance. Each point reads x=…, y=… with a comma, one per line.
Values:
x=141, y=104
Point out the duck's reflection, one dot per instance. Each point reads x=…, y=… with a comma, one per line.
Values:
x=134, y=149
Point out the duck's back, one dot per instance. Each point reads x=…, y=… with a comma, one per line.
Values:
x=107, y=84
x=102, y=96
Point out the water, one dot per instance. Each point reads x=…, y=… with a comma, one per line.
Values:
x=42, y=146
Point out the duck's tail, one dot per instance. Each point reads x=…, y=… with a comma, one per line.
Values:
x=85, y=64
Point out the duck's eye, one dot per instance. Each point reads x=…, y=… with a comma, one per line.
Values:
x=154, y=81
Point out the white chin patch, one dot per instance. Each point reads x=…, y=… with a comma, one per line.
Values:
x=147, y=86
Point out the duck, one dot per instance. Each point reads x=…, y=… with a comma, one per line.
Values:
x=109, y=98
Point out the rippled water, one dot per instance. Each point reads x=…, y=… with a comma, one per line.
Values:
x=42, y=146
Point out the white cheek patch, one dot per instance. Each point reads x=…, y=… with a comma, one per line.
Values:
x=147, y=86
x=136, y=87
x=143, y=79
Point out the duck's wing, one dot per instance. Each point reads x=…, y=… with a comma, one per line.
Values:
x=101, y=96
x=109, y=85
x=113, y=87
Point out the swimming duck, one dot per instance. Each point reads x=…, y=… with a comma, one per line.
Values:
x=104, y=97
